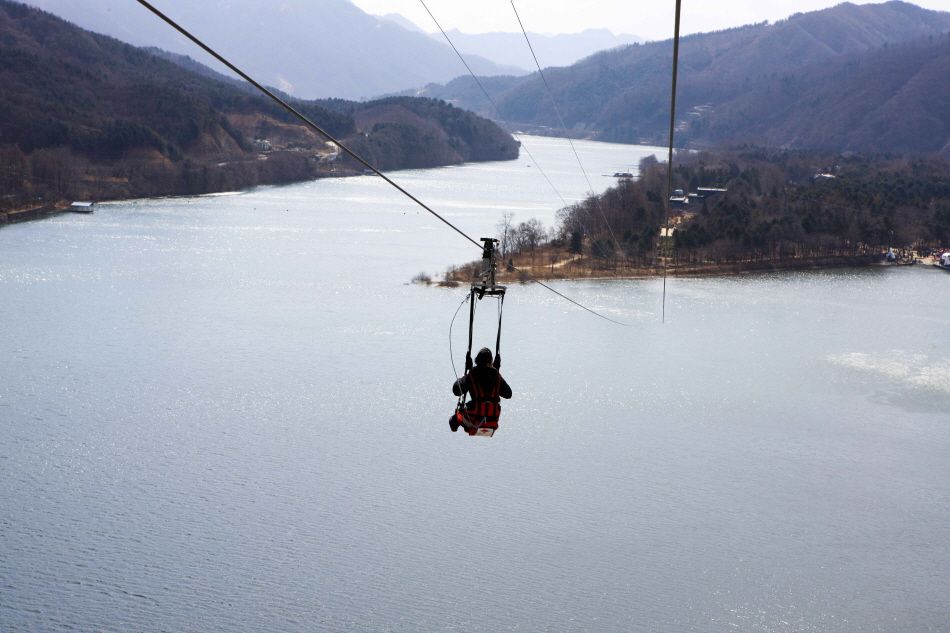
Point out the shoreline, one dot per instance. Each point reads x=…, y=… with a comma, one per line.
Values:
x=50, y=209
x=711, y=269
x=564, y=271
x=29, y=214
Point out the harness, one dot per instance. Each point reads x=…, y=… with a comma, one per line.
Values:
x=480, y=415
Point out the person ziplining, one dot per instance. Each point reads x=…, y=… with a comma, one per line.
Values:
x=482, y=381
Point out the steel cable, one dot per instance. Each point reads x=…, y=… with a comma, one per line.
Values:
x=669, y=164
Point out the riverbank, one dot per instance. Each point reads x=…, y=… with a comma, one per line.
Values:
x=222, y=177
x=27, y=214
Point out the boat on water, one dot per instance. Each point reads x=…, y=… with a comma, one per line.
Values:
x=943, y=261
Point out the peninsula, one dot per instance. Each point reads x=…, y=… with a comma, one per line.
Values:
x=736, y=211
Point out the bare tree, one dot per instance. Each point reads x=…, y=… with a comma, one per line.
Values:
x=530, y=235
x=505, y=233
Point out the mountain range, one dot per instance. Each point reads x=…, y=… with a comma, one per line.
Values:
x=330, y=49
x=862, y=77
x=560, y=49
x=852, y=77
x=309, y=50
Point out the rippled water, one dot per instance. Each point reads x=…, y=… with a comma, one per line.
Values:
x=228, y=413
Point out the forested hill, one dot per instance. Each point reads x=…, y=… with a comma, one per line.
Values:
x=84, y=115
x=779, y=84
x=894, y=99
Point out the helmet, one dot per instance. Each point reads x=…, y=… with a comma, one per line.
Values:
x=483, y=357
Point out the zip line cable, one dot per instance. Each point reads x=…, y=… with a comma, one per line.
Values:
x=557, y=111
x=492, y=102
x=300, y=116
x=346, y=149
x=669, y=164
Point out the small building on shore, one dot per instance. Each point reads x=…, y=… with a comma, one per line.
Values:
x=82, y=207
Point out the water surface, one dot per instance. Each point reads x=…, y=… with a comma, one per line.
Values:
x=228, y=413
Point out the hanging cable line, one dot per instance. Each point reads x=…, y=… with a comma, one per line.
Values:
x=493, y=104
x=560, y=119
x=579, y=305
x=557, y=111
x=451, y=325
x=346, y=149
x=669, y=164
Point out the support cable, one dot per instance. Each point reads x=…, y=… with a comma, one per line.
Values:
x=560, y=119
x=492, y=102
x=669, y=164
x=330, y=137
x=300, y=116
x=557, y=110
x=579, y=305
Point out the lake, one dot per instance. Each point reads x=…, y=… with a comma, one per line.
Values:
x=229, y=413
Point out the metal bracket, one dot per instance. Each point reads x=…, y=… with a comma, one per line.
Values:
x=486, y=285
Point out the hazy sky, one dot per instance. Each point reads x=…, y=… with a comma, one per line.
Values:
x=652, y=19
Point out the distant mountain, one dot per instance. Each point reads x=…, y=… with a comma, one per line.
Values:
x=512, y=54
x=85, y=115
x=552, y=50
x=308, y=49
x=409, y=25
x=726, y=78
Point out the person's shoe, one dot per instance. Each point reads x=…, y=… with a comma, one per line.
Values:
x=453, y=424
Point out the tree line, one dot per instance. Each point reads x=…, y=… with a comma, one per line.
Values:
x=778, y=205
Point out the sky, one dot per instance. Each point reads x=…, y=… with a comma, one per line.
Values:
x=650, y=19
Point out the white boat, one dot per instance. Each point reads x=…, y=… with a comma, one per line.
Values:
x=944, y=261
